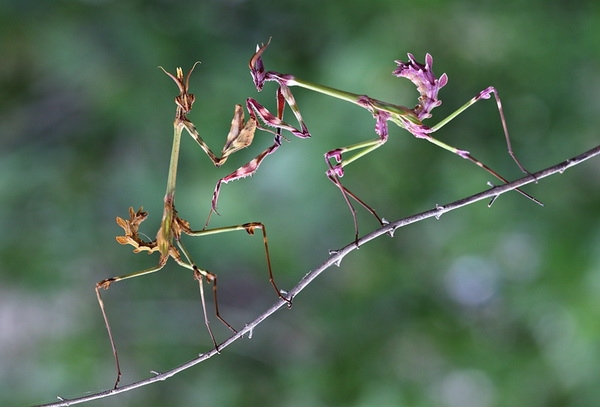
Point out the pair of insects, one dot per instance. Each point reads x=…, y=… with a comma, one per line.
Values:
x=168, y=239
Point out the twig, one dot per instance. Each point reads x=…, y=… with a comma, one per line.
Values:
x=335, y=259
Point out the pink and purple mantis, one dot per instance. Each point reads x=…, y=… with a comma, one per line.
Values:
x=410, y=119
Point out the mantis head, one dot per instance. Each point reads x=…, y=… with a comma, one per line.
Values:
x=257, y=69
x=184, y=100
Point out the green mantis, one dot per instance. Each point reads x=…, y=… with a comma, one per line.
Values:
x=168, y=238
x=410, y=119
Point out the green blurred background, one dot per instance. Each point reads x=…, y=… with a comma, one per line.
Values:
x=484, y=307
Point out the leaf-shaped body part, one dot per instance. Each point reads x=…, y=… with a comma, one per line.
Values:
x=131, y=227
x=427, y=84
x=240, y=134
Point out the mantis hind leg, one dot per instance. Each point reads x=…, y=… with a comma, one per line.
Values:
x=484, y=94
x=200, y=275
x=212, y=278
x=104, y=284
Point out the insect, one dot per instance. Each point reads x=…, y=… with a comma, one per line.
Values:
x=168, y=239
x=410, y=119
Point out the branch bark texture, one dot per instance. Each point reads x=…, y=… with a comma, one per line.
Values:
x=335, y=258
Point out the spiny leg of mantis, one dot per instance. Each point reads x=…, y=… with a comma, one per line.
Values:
x=410, y=119
x=172, y=226
x=269, y=119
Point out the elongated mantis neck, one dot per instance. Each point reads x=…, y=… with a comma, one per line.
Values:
x=164, y=237
x=355, y=98
x=326, y=90
x=172, y=178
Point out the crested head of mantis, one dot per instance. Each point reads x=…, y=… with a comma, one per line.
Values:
x=184, y=100
x=257, y=69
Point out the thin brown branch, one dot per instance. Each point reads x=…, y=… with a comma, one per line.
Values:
x=335, y=259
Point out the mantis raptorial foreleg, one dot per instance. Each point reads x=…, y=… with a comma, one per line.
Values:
x=428, y=86
x=168, y=238
x=256, y=109
x=240, y=134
